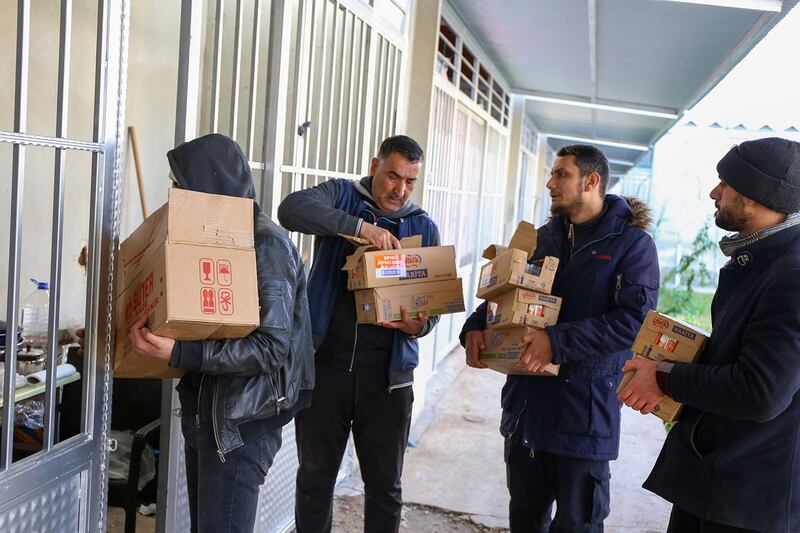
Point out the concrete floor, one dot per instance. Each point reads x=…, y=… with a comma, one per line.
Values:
x=457, y=463
x=454, y=473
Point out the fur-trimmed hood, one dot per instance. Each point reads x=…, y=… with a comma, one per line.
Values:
x=641, y=215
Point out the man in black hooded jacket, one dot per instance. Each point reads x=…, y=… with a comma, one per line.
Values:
x=238, y=393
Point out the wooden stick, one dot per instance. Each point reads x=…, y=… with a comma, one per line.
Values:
x=139, y=178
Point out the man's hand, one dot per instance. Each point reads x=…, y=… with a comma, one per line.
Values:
x=474, y=342
x=538, y=353
x=642, y=393
x=409, y=326
x=80, y=334
x=378, y=236
x=148, y=343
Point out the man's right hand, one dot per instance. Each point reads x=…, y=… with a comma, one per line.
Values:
x=378, y=236
x=474, y=341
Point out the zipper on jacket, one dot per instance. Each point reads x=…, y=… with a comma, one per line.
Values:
x=353, y=356
x=279, y=396
x=214, y=424
x=399, y=386
x=199, y=393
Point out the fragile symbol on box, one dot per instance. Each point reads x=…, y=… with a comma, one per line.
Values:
x=208, y=301
x=206, y=271
x=224, y=275
x=225, y=302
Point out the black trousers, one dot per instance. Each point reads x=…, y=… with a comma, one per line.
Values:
x=579, y=487
x=380, y=421
x=682, y=521
x=223, y=496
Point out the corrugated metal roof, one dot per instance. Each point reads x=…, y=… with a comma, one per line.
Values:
x=648, y=55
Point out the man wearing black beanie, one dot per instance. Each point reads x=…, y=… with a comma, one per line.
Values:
x=731, y=461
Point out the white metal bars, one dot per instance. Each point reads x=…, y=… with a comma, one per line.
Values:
x=15, y=240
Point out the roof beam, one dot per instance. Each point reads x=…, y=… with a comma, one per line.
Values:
x=599, y=105
x=773, y=6
x=595, y=140
x=621, y=162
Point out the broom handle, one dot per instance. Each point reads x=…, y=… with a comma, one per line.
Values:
x=139, y=179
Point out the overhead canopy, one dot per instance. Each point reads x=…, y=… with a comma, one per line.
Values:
x=616, y=73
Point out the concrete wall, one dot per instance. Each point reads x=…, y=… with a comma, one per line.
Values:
x=150, y=107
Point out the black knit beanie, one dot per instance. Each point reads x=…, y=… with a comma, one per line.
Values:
x=765, y=170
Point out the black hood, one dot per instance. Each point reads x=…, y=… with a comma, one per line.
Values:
x=212, y=164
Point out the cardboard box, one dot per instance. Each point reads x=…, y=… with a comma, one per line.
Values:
x=191, y=268
x=503, y=351
x=509, y=268
x=370, y=267
x=662, y=337
x=434, y=298
x=520, y=307
x=667, y=409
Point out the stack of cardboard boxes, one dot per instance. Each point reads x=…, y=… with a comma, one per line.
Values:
x=419, y=279
x=191, y=269
x=663, y=338
x=518, y=299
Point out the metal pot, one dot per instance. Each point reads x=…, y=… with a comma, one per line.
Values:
x=30, y=361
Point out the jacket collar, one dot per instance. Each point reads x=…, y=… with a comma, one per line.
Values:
x=767, y=249
x=616, y=218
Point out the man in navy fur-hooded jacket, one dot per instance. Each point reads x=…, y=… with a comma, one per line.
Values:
x=364, y=371
x=562, y=431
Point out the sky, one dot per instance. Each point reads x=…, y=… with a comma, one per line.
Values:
x=763, y=87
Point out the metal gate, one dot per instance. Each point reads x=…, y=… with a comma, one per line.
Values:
x=62, y=486
x=258, y=71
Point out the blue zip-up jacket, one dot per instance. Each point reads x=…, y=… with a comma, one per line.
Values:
x=334, y=207
x=734, y=455
x=607, y=286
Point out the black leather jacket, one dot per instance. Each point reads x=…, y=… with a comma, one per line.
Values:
x=266, y=373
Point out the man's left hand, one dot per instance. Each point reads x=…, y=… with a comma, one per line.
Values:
x=642, y=393
x=409, y=326
x=148, y=343
x=538, y=353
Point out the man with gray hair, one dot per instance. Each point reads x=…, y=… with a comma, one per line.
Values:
x=730, y=463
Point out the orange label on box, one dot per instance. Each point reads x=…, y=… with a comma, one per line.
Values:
x=390, y=265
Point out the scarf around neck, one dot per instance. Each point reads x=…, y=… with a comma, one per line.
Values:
x=731, y=243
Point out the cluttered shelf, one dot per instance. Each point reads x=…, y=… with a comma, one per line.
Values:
x=34, y=389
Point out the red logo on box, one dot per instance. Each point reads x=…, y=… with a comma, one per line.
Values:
x=225, y=302
x=208, y=301
x=206, y=271
x=660, y=322
x=224, y=273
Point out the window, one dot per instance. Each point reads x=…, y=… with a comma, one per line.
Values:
x=456, y=63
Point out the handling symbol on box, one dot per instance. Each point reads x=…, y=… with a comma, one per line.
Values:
x=225, y=302
x=208, y=301
x=224, y=275
x=206, y=271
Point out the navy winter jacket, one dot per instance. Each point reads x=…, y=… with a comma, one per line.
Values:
x=607, y=286
x=734, y=455
x=334, y=207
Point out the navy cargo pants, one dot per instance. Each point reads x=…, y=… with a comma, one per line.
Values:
x=579, y=487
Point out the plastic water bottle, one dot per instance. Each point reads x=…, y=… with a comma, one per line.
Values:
x=34, y=315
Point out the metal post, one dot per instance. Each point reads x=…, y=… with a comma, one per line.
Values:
x=276, y=89
x=15, y=240
x=58, y=222
x=251, y=108
x=215, y=71
x=237, y=53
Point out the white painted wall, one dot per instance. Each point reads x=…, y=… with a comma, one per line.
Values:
x=150, y=107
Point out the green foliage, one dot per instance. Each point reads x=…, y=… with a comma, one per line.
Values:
x=683, y=301
x=694, y=308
